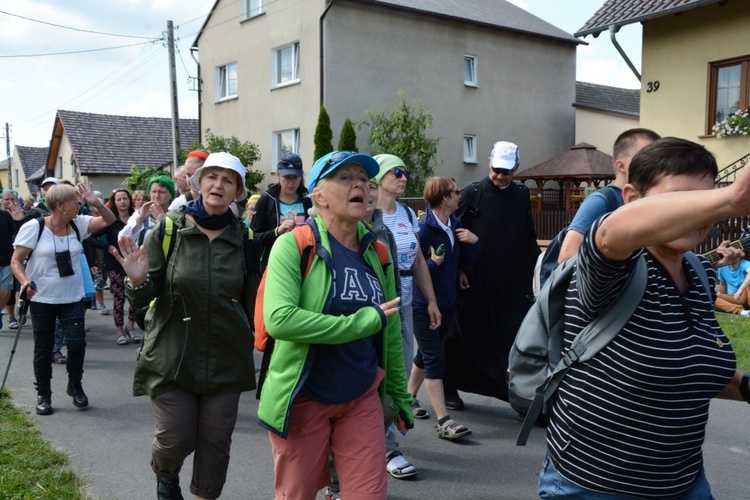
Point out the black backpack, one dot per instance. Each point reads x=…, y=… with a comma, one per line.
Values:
x=549, y=260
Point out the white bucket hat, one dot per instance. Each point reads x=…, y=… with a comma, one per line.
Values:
x=222, y=160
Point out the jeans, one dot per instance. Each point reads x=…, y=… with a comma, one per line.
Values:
x=553, y=485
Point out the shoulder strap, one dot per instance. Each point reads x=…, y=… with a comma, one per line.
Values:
x=306, y=243
x=166, y=242
x=696, y=264
x=41, y=230
x=408, y=212
x=609, y=195
x=384, y=254
x=592, y=339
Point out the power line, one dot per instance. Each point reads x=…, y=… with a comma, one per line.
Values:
x=73, y=29
x=81, y=51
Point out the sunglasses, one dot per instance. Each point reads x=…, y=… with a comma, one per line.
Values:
x=503, y=171
x=401, y=172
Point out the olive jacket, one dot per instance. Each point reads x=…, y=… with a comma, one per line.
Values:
x=294, y=319
x=198, y=336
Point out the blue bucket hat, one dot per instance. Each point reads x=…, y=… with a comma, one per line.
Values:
x=327, y=164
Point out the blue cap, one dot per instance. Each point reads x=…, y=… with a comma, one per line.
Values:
x=327, y=164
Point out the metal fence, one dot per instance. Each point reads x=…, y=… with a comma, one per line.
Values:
x=548, y=223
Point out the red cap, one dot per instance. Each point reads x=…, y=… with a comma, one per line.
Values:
x=198, y=154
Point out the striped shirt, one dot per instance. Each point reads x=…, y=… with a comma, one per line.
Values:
x=632, y=420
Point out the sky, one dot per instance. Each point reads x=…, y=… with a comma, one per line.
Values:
x=43, y=68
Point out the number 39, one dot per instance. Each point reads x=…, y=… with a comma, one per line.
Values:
x=652, y=86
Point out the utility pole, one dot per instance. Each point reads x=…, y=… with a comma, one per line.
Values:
x=173, y=93
x=7, y=153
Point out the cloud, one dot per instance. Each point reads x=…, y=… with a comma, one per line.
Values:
x=606, y=72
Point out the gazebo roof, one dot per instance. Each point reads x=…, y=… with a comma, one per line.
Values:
x=581, y=162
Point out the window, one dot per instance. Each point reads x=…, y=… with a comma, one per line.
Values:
x=470, y=149
x=15, y=181
x=730, y=89
x=59, y=167
x=285, y=141
x=286, y=65
x=252, y=8
x=470, y=71
x=226, y=82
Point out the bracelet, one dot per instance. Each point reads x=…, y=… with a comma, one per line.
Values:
x=744, y=389
x=142, y=285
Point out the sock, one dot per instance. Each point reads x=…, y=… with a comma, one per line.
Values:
x=444, y=419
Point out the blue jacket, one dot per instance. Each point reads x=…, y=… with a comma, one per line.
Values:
x=444, y=276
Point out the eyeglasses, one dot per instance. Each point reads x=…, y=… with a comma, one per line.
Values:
x=401, y=172
x=338, y=156
x=503, y=171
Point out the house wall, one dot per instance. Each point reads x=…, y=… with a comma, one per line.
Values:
x=103, y=183
x=677, y=52
x=601, y=129
x=258, y=111
x=17, y=172
x=525, y=94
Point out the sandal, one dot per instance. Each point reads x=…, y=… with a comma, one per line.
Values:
x=417, y=411
x=134, y=337
x=398, y=466
x=450, y=429
x=122, y=340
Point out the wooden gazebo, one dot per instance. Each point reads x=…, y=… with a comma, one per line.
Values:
x=582, y=163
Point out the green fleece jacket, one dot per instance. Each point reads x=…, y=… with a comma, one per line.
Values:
x=198, y=336
x=293, y=318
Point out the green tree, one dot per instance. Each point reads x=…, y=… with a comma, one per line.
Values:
x=348, y=138
x=323, y=134
x=139, y=177
x=403, y=132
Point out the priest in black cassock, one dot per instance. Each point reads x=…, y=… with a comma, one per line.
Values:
x=499, y=294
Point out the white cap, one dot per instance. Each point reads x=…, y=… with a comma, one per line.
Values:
x=50, y=180
x=504, y=155
x=222, y=160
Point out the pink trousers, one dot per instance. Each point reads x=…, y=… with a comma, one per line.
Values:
x=353, y=431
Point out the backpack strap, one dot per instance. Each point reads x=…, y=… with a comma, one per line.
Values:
x=166, y=242
x=408, y=212
x=592, y=339
x=40, y=220
x=696, y=264
x=610, y=197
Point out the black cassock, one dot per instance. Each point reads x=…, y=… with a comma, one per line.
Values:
x=500, y=289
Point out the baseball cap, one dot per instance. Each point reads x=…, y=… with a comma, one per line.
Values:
x=222, y=160
x=50, y=180
x=289, y=164
x=504, y=155
x=327, y=164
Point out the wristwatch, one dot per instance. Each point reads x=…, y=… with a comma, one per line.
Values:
x=744, y=389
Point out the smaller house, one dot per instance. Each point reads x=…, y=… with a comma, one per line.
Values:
x=101, y=149
x=26, y=161
x=604, y=112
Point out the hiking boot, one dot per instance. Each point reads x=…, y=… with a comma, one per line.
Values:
x=75, y=390
x=44, y=404
x=168, y=489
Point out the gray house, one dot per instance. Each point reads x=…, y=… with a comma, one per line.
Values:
x=25, y=163
x=487, y=70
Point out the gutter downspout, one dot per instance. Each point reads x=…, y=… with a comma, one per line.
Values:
x=612, y=36
x=320, y=33
x=193, y=50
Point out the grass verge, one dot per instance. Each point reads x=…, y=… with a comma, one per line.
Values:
x=737, y=329
x=29, y=467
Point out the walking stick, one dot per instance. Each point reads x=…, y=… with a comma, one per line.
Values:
x=23, y=306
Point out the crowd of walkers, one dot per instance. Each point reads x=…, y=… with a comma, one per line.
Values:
x=364, y=302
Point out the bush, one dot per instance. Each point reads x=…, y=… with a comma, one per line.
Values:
x=348, y=138
x=323, y=135
x=403, y=133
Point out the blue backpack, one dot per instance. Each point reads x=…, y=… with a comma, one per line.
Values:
x=549, y=260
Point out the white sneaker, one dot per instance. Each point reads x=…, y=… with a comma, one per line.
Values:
x=745, y=313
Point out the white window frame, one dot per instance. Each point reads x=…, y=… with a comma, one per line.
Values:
x=276, y=73
x=277, y=146
x=249, y=11
x=473, y=81
x=16, y=183
x=224, y=82
x=470, y=148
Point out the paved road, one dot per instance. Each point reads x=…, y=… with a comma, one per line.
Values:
x=108, y=443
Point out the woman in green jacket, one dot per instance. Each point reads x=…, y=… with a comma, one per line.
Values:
x=198, y=349
x=338, y=344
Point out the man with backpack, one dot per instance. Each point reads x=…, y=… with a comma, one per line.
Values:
x=597, y=204
x=498, y=211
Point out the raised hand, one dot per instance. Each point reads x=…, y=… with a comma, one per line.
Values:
x=133, y=260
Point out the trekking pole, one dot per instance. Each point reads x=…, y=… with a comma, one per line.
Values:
x=23, y=306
